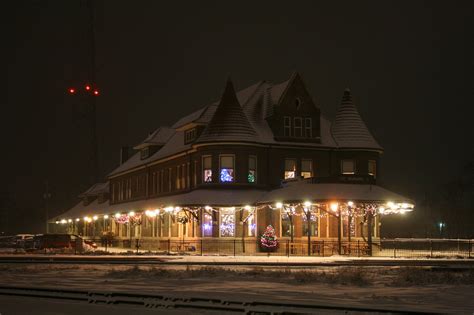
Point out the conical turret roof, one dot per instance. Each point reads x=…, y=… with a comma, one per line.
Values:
x=348, y=128
x=229, y=122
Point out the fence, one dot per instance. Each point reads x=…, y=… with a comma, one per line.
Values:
x=423, y=248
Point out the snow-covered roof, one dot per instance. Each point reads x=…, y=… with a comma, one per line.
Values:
x=241, y=117
x=304, y=191
x=158, y=137
x=96, y=189
x=296, y=192
x=348, y=129
x=229, y=122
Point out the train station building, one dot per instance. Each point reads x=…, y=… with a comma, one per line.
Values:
x=260, y=161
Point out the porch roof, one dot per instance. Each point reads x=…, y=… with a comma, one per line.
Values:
x=314, y=192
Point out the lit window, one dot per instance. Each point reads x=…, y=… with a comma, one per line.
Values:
x=252, y=175
x=227, y=226
x=287, y=126
x=226, y=174
x=306, y=168
x=207, y=224
x=298, y=127
x=144, y=153
x=347, y=167
x=251, y=225
x=207, y=169
x=290, y=168
x=308, y=127
x=372, y=168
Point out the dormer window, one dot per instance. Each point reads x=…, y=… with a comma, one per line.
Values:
x=190, y=135
x=144, y=153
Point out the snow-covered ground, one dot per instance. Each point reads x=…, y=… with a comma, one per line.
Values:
x=383, y=287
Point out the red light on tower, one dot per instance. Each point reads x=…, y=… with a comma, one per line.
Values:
x=72, y=91
x=96, y=92
x=88, y=87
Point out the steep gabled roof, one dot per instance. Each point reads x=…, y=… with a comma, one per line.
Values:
x=229, y=122
x=348, y=128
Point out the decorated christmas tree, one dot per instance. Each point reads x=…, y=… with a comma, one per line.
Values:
x=268, y=239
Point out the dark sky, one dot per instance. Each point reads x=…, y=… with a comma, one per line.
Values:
x=409, y=64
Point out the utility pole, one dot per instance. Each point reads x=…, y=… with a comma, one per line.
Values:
x=46, y=197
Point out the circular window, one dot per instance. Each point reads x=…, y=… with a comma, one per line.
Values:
x=297, y=103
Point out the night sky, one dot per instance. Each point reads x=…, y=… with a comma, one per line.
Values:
x=409, y=65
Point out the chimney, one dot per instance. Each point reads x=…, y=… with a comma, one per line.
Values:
x=124, y=152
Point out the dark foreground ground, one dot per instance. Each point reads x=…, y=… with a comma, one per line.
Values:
x=341, y=289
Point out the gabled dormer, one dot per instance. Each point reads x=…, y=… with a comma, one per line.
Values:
x=295, y=117
x=154, y=142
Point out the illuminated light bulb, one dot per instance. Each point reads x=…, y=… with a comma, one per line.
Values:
x=95, y=218
x=96, y=92
x=169, y=209
x=117, y=215
x=88, y=87
x=131, y=213
x=69, y=220
x=77, y=219
x=334, y=206
x=381, y=210
x=157, y=211
x=106, y=216
x=307, y=204
x=350, y=203
x=247, y=207
x=72, y=91
x=57, y=222
x=279, y=205
x=85, y=219
x=390, y=204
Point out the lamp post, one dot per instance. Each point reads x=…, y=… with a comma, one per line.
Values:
x=46, y=197
x=441, y=226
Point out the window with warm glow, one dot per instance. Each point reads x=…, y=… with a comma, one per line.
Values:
x=287, y=126
x=227, y=222
x=226, y=173
x=306, y=168
x=286, y=226
x=290, y=168
x=252, y=174
x=298, y=127
x=313, y=225
x=372, y=168
x=347, y=167
x=207, y=169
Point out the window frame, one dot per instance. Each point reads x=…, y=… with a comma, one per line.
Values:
x=233, y=168
x=353, y=166
x=374, y=173
x=308, y=128
x=310, y=168
x=299, y=128
x=254, y=169
x=204, y=169
x=294, y=170
x=190, y=135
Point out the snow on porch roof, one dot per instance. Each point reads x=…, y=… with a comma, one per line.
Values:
x=302, y=191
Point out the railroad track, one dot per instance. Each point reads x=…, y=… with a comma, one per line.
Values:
x=162, y=302
x=134, y=260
